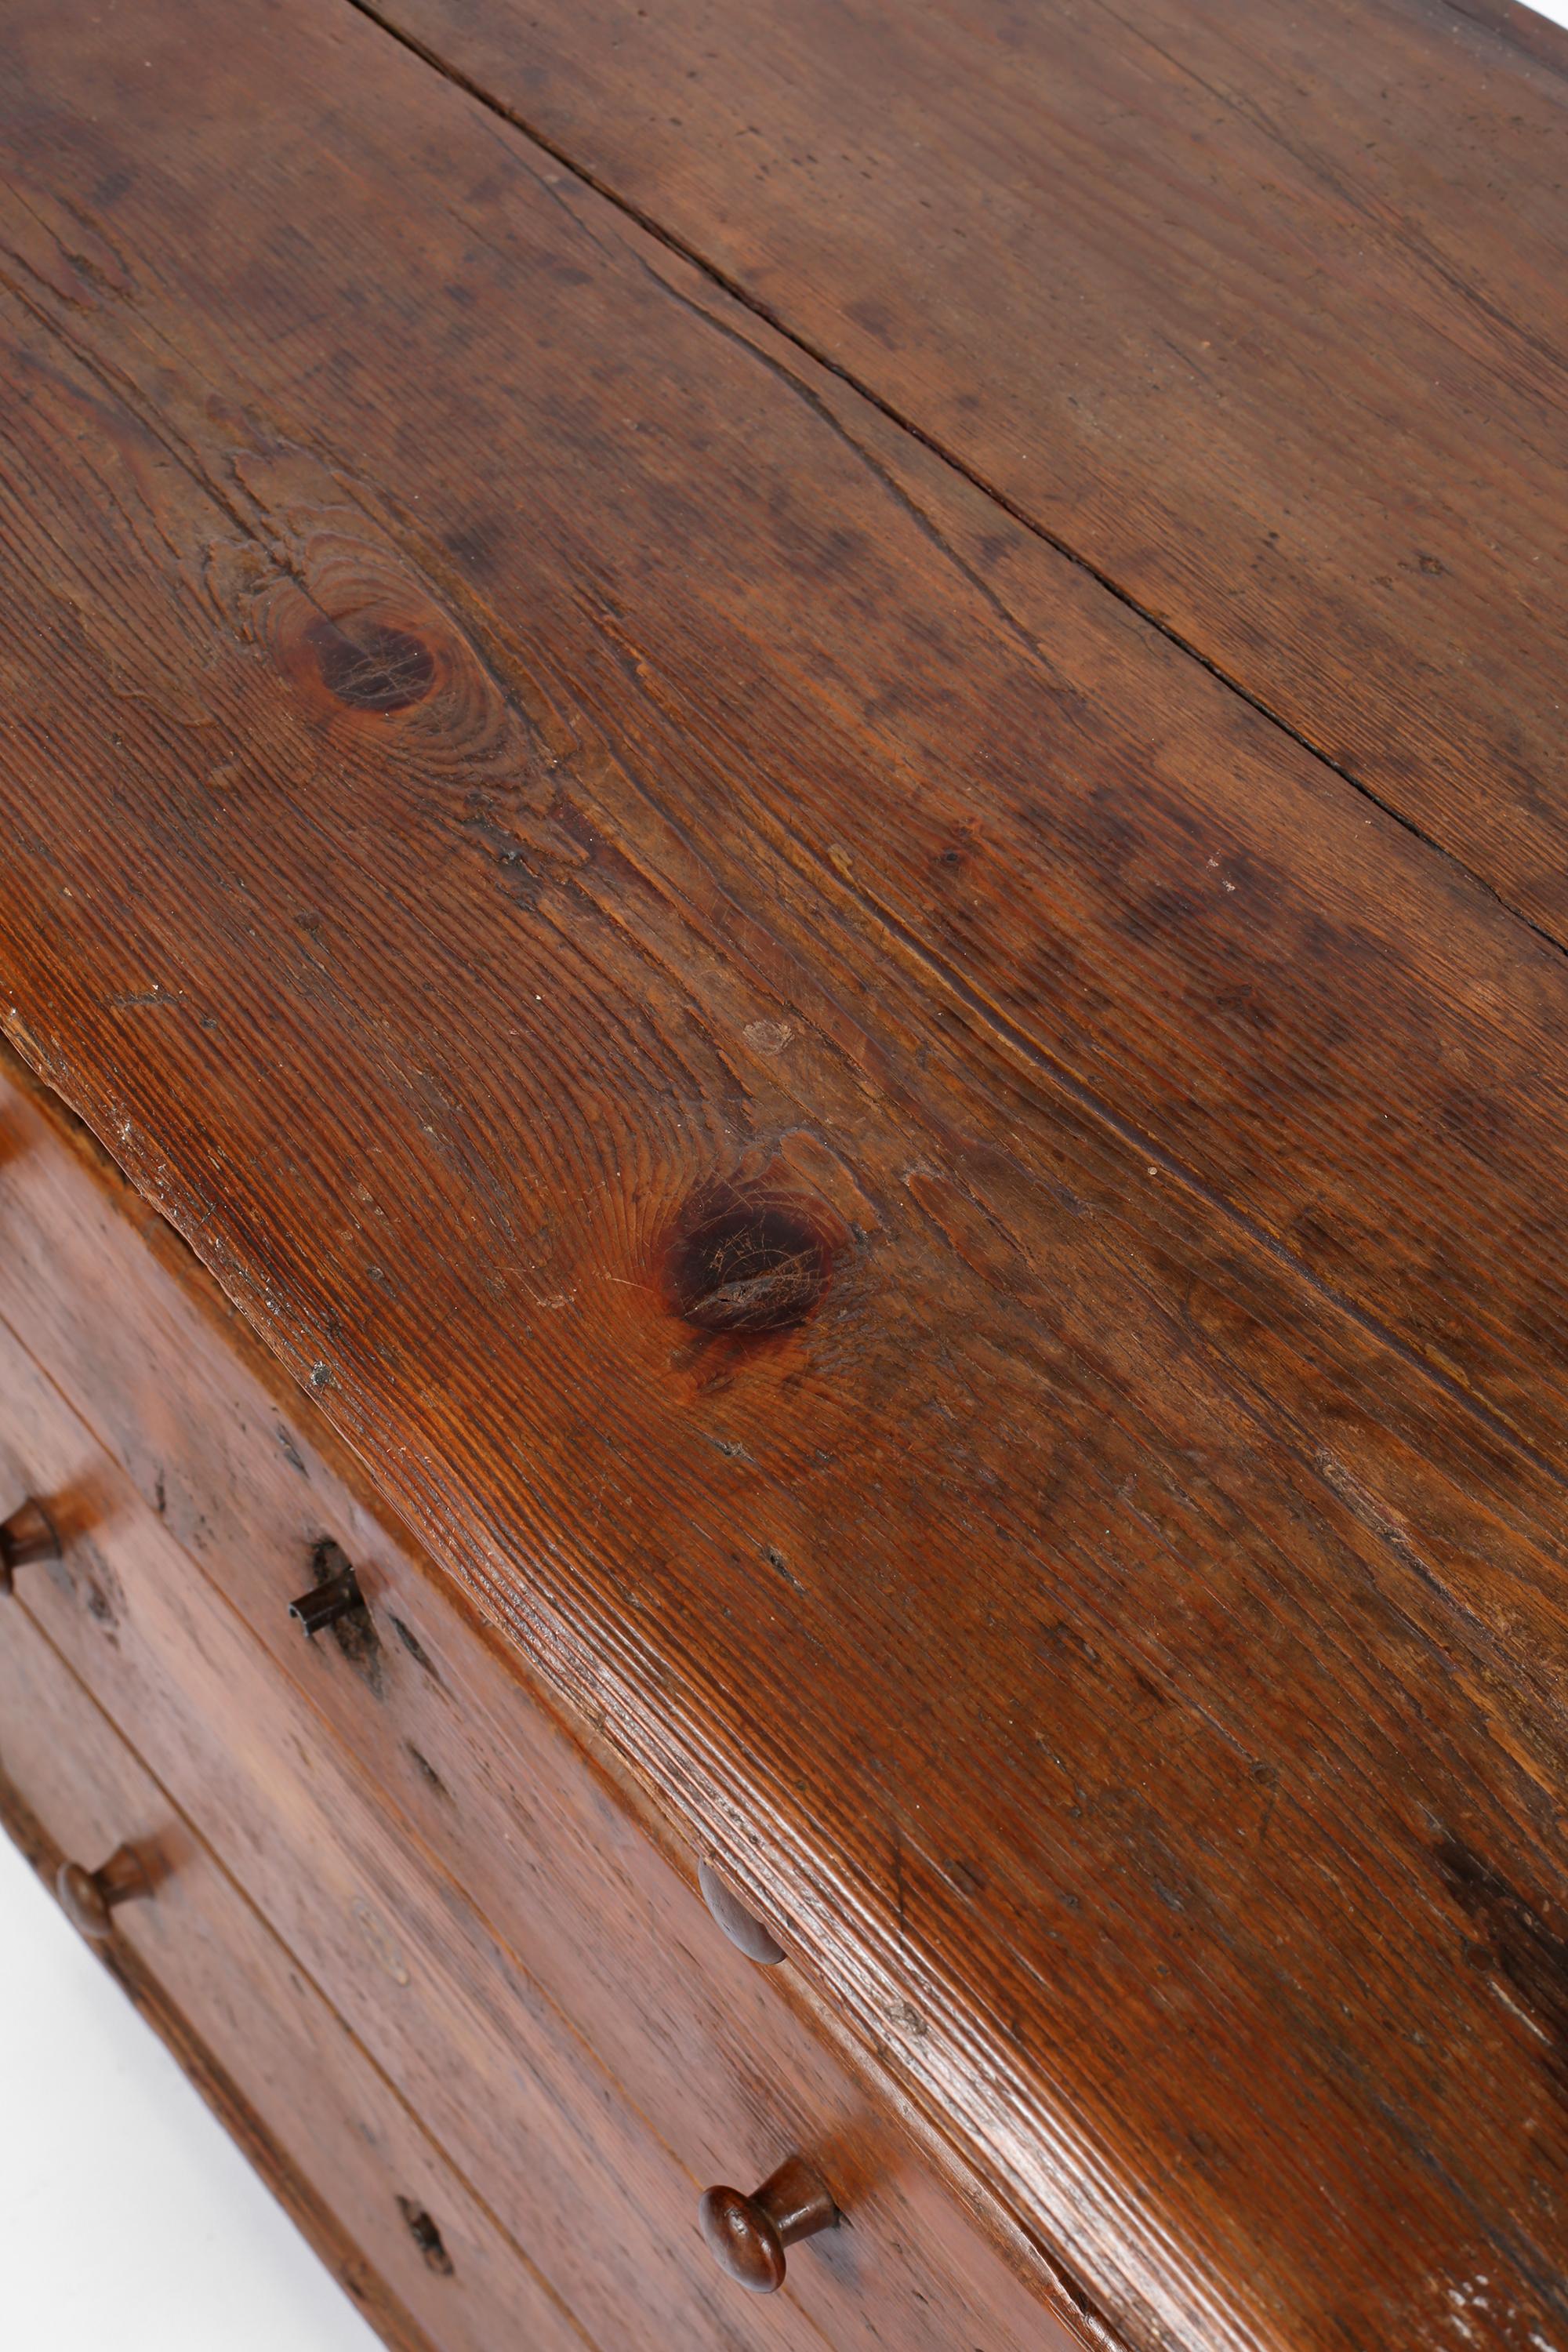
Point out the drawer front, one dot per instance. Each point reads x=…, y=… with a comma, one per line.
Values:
x=364, y=2173
x=732, y=2064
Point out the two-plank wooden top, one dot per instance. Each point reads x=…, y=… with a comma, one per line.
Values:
x=958, y=1233
x=1261, y=309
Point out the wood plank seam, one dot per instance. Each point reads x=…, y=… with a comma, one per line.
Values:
x=1016, y=1040
x=1026, y=520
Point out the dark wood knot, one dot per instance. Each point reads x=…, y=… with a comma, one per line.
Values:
x=748, y=1261
x=29, y=1534
x=747, y=2235
x=371, y=667
x=89, y=1896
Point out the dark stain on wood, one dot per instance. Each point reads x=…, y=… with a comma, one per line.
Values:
x=1514, y=1942
x=427, y=1771
x=971, y=212
x=413, y=1645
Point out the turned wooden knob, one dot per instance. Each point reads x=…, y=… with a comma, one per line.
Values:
x=747, y=2235
x=27, y=1534
x=88, y=1896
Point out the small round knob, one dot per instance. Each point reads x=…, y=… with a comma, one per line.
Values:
x=26, y=1535
x=88, y=1896
x=747, y=2235
x=744, y=1929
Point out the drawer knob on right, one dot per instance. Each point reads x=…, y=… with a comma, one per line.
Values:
x=89, y=1896
x=26, y=1535
x=747, y=2235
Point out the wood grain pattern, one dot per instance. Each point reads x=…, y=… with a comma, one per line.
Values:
x=573, y=1874
x=325, y=2129
x=957, y=1237
x=1262, y=311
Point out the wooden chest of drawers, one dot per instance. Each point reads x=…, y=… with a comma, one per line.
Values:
x=783, y=1154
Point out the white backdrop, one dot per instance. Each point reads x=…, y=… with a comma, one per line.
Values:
x=128, y=2217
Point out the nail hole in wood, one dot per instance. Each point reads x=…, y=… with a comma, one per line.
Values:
x=425, y=2236
x=413, y=1645
x=427, y=1771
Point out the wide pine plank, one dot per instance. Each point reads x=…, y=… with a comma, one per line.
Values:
x=955, y=1234
x=1261, y=309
